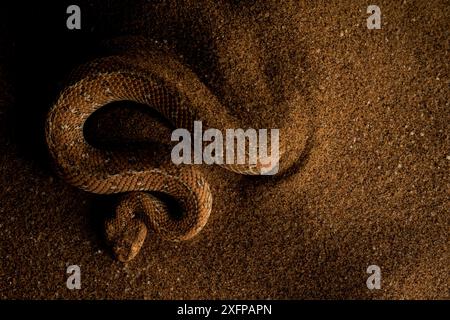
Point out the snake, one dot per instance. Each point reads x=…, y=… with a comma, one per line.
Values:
x=159, y=81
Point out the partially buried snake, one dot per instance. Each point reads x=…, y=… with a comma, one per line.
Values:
x=159, y=81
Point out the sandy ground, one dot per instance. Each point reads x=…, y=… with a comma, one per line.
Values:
x=373, y=187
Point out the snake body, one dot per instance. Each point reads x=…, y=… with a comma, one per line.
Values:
x=134, y=70
x=158, y=81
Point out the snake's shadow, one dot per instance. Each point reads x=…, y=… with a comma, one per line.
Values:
x=101, y=209
x=44, y=52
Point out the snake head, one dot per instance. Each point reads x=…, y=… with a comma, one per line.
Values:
x=127, y=239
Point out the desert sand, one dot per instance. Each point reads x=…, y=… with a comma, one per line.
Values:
x=371, y=186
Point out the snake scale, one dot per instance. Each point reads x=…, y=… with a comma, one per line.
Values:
x=159, y=81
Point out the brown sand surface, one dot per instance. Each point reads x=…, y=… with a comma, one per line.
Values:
x=372, y=186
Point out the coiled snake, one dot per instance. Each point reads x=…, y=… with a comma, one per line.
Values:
x=159, y=81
